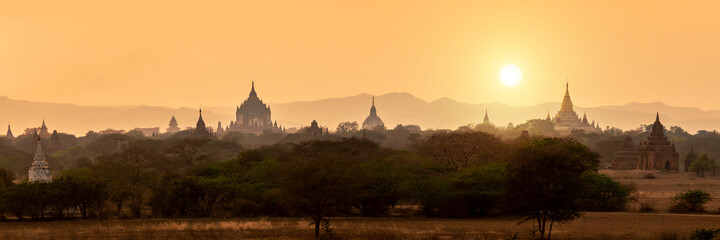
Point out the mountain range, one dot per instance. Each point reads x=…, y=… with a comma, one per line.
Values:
x=393, y=109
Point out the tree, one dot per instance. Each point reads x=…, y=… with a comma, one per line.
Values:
x=129, y=174
x=703, y=164
x=379, y=186
x=6, y=178
x=605, y=194
x=544, y=181
x=459, y=150
x=321, y=179
x=347, y=127
x=82, y=188
x=690, y=201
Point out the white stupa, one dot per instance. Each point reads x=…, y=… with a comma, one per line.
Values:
x=39, y=171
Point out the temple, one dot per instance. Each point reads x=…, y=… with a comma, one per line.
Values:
x=567, y=121
x=173, y=126
x=627, y=157
x=200, y=129
x=44, y=130
x=486, y=119
x=314, y=130
x=39, y=171
x=9, y=133
x=656, y=152
x=219, y=132
x=252, y=116
x=372, y=121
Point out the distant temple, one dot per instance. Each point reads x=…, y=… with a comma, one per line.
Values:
x=314, y=130
x=44, y=130
x=566, y=120
x=173, y=126
x=627, y=157
x=372, y=121
x=220, y=131
x=39, y=171
x=657, y=153
x=200, y=129
x=486, y=119
x=9, y=133
x=252, y=116
x=54, y=142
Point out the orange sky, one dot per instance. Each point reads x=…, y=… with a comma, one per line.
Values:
x=190, y=53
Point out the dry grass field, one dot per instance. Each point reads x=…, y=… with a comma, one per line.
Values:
x=618, y=225
x=590, y=226
x=661, y=191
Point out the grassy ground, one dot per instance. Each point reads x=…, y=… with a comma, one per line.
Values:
x=661, y=191
x=590, y=226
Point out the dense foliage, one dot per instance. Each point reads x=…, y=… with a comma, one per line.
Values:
x=446, y=174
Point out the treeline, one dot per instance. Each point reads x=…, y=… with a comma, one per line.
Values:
x=458, y=174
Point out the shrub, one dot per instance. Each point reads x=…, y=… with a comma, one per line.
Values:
x=605, y=194
x=704, y=234
x=649, y=176
x=647, y=206
x=690, y=201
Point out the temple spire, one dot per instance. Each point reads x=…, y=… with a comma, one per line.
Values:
x=9, y=133
x=486, y=119
x=566, y=105
x=657, y=117
x=253, y=94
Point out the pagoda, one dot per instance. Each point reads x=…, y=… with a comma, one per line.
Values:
x=372, y=121
x=566, y=120
x=40, y=170
x=656, y=152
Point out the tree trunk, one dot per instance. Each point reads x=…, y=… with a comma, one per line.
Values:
x=550, y=230
x=317, y=227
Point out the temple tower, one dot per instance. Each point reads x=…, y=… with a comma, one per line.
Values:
x=173, y=126
x=9, y=133
x=656, y=152
x=486, y=119
x=372, y=121
x=39, y=171
x=200, y=129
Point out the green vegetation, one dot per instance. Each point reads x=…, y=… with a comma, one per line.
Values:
x=462, y=174
x=690, y=201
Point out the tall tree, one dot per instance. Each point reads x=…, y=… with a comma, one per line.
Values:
x=544, y=181
x=459, y=150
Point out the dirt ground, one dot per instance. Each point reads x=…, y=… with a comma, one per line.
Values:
x=590, y=226
x=660, y=192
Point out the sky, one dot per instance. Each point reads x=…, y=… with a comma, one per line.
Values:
x=195, y=53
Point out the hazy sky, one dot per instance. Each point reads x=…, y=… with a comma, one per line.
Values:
x=190, y=53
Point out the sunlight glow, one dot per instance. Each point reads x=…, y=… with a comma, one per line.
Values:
x=510, y=75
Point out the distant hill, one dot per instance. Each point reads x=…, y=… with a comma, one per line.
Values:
x=393, y=108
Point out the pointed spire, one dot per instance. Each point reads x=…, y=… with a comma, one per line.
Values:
x=486, y=119
x=548, y=116
x=566, y=105
x=657, y=128
x=9, y=133
x=373, y=100
x=253, y=94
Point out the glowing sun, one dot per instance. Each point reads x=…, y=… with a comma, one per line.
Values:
x=510, y=75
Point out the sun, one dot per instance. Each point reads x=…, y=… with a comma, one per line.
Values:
x=510, y=75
